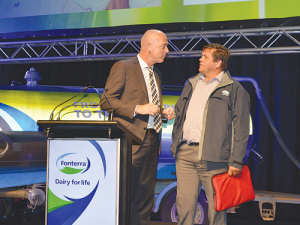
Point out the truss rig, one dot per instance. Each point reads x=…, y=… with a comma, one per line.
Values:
x=256, y=41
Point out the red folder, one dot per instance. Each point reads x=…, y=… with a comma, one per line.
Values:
x=232, y=191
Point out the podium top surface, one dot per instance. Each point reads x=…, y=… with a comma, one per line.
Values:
x=47, y=124
x=57, y=125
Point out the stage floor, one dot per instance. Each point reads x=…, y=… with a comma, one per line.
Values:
x=231, y=221
x=286, y=214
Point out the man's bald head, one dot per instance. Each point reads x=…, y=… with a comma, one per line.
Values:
x=151, y=36
x=154, y=47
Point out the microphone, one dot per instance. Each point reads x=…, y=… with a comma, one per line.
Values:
x=112, y=109
x=52, y=113
x=97, y=93
x=111, y=114
x=58, y=117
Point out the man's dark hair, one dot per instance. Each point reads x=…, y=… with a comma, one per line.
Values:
x=220, y=53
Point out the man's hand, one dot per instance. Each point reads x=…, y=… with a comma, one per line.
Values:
x=233, y=171
x=168, y=113
x=147, y=109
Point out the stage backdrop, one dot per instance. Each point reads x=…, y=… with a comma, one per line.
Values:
x=38, y=15
x=278, y=77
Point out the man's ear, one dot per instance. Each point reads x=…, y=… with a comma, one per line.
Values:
x=149, y=46
x=219, y=63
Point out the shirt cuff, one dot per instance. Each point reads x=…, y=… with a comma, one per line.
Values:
x=134, y=114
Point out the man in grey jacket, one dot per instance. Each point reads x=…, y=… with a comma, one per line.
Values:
x=210, y=133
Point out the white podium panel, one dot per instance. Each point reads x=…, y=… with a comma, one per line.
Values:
x=83, y=181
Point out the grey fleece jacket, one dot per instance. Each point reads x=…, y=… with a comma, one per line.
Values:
x=225, y=129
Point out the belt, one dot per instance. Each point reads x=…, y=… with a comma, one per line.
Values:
x=150, y=131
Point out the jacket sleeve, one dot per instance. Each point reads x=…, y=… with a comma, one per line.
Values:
x=180, y=109
x=114, y=89
x=241, y=126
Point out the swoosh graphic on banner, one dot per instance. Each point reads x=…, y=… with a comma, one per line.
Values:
x=101, y=153
x=70, y=213
x=17, y=120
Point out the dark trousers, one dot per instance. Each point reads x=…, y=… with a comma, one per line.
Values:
x=144, y=166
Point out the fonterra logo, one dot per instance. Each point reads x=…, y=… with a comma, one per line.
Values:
x=73, y=163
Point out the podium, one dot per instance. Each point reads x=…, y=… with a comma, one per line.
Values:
x=88, y=172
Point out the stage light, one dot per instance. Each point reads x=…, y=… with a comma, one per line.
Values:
x=32, y=77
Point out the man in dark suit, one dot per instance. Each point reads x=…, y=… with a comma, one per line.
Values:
x=134, y=92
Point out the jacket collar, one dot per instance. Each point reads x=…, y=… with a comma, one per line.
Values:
x=139, y=73
x=227, y=79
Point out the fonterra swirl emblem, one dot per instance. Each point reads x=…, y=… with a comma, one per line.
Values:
x=73, y=163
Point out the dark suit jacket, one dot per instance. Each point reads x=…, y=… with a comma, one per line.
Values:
x=125, y=88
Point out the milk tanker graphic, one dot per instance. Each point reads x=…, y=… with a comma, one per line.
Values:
x=23, y=145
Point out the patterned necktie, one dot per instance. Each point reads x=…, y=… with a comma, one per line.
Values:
x=155, y=100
